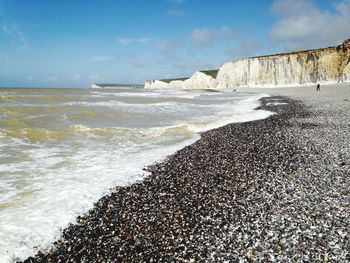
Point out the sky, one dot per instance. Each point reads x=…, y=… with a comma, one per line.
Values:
x=73, y=43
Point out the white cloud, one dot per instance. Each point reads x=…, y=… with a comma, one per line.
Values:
x=227, y=32
x=247, y=48
x=2, y=9
x=76, y=78
x=292, y=8
x=127, y=40
x=168, y=47
x=143, y=40
x=198, y=38
x=205, y=37
x=301, y=24
x=100, y=58
x=14, y=31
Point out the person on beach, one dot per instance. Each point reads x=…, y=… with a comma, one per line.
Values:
x=318, y=87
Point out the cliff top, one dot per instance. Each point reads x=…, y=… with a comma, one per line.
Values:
x=212, y=73
x=170, y=80
x=343, y=46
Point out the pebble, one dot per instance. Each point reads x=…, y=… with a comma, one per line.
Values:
x=273, y=190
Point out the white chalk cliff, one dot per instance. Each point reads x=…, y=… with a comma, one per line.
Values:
x=198, y=80
x=326, y=65
x=156, y=84
x=94, y=86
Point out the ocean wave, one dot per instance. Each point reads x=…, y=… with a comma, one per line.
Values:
x=145, y=94
x=88, y=173
x=62, y=163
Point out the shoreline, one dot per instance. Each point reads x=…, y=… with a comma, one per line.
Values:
x=39, y=220
x=240, y=192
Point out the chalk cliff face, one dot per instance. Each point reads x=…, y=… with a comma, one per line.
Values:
x=198, y=80
x=176, y=84
x=328, y=65
x=156, y=84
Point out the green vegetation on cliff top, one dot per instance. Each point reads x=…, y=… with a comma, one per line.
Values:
x=211, y=73
x=170, y=80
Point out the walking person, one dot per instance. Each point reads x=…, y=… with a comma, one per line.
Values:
x=318, y=87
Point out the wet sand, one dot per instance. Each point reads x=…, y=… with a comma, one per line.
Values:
x=276, y=189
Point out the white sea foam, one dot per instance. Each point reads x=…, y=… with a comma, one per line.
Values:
x=57, y=194
x=4, y=95
x=46, y=183
x=145, y=94
x=275, y=103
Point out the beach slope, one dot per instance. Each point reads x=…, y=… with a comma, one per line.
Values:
x=276, y=189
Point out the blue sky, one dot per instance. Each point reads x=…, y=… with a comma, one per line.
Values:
x=73, y=43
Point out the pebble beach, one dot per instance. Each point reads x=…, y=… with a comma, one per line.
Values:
x=272, y=190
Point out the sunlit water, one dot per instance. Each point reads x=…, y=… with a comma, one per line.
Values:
x=62, y=149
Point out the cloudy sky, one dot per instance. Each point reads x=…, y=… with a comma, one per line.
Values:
x=65, y=43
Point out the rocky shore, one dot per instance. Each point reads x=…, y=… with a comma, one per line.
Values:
x=274, y=190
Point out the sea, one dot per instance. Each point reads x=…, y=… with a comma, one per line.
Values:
x=63, y=149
